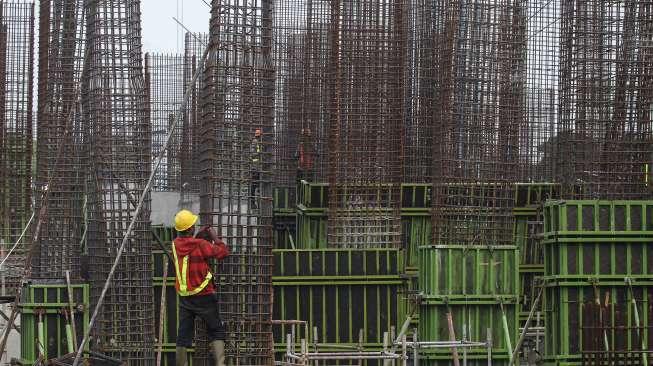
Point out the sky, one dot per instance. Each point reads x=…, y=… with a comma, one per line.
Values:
x=161, y=33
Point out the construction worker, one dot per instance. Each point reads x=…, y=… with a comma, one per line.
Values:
x=305, y=154
x=257, y=150
x=194, y=285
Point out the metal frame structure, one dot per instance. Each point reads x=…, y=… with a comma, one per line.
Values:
x=115, y=107
x=165, y=79
x=194, y=46
x=16, y=141
x=236, y=192
x=60, y=126
x=604, y=134
x=367, y=62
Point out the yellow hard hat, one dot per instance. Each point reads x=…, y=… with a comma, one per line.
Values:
x=184, y=219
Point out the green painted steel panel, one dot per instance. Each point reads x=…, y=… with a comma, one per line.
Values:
x=416, y=196
x=534, y=194
x=284, y=231
x=341, y=264
x=283, y=199
x=476, y=317
x=50, y=300
x=312, y=204
x=311, y=231
x=603, y=260
x=312, y=196
x=416, y=232
x=338, y=310
x=528, y=238
x=595, y=218
x=564, y=305
x=464, y=271
x=339, y=291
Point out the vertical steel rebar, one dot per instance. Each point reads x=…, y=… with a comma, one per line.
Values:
x=366, y=122
x=16, y=148
x=194, y=46
x=166, y=88
x=478, y=109
x=116, y=105
x=61, y=60
x=237, y=105
x=604, y=141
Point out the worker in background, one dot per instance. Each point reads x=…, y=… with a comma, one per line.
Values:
x=197, y=292
x=305, y=154
x=256, y=155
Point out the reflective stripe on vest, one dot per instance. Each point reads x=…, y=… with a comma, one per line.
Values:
x=183, y=275
x=258, y=152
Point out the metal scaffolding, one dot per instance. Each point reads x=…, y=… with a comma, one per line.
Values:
x=235, y=165
x=604, y=142
x=479, y=77
x=16, y=100
x=115, y=107
x=367, y=108
x=165, y=79
x=59, y=126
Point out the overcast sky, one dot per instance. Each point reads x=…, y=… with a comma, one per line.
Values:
x=161, y=33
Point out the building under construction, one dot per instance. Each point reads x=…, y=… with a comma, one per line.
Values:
x=399, y=182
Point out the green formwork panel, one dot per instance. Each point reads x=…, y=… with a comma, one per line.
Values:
x=605, y=260
x=416, y=232
x=566, y=304
x=49, y=301
x=312, y=196
x=171, y=320
x=336, y=264
x=602, y=219
x=283, y=199
x=477, y=316
x=166, y=233
x=339, y=309
x=311, y=231
x=534, y=194
x=416, y=197
x=339, y=291
x=528, y=231
x=284, y=232
x=527, y=234
x=464, y=271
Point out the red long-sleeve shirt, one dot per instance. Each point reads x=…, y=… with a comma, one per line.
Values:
x=199, y=251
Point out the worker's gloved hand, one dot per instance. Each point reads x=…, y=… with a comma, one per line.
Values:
x=207, y=233
x=204, y=233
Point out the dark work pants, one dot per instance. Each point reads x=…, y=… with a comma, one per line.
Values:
x=204, y=306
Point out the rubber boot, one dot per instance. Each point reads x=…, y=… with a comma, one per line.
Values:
x=218, y=352
x=182, y=357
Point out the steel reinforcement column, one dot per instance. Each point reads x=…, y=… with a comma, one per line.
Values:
x=120, y=164
x=235, y=168
x=16, y=101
